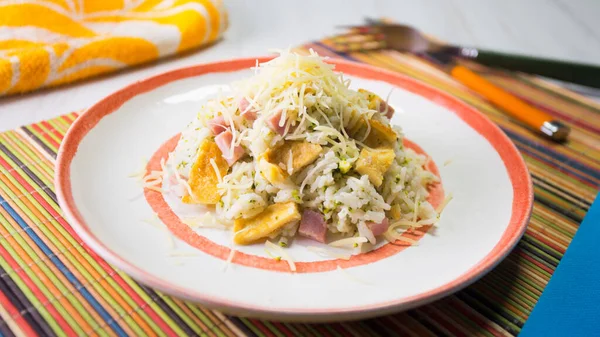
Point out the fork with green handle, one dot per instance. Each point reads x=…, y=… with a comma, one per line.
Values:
x=407, y=39
x=379, y=35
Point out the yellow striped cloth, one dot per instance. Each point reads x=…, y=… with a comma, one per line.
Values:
x=52, y=42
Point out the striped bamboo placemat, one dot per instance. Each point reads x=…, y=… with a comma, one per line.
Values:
x=53, y=284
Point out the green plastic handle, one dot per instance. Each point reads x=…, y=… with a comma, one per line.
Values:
x=580, y=73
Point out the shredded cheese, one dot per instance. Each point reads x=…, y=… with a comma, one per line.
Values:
x=140, y=173
x=348, y=242
x=352, y=277
x=216, y=168
x=153, y=188
x=282, y=253
x=207, y=220
x=429, y=221
x=444, y=204
x=154, y=221
x=392, y=236
x=229, y=258
x=152, y=181
x=329, y=254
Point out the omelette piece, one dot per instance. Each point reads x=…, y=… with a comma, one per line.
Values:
x=273, y=218
x=303, y=154
x=395, y=212
x=273, y=173
x=203, y=179
x=381, y=135
x=377, y=103
x=374, y=100
x=374, y=163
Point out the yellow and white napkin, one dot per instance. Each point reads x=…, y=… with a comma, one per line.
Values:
x=52, y=42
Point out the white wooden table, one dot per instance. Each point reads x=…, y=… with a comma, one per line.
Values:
x=566, y=29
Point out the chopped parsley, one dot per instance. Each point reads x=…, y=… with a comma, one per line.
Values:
x=296, y=196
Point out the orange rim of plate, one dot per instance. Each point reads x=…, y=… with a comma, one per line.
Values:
x=513, y=162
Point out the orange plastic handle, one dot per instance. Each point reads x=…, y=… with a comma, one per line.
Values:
x=533, y=117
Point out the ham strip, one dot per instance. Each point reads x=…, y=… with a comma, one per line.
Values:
x=223, y=141
x=379, y=228
x=313, y=226
x=246, y=110
x=382, y=108
x=273, y=123
x=217, y=125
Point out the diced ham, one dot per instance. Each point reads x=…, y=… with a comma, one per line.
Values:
x=379, y=228
x=383, y=106
x=223, y=141
x=217, y=125
x=313, y=226
x=273, y=123
x=246, y=111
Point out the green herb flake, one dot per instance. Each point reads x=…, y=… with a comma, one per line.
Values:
x=344, y=166
x=296, y=196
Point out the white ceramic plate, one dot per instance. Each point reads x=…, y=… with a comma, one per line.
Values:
x=477, y=163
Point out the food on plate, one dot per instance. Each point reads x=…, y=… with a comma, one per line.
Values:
x=295, y=151
x=203, y=177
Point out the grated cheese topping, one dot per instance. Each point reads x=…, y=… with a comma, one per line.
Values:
x=229, y=258
x=352, y=277
x=328, y=253
x=444, y=204
x=285, y=256
x=349, y=242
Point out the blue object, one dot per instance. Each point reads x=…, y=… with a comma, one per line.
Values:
x=570, y=304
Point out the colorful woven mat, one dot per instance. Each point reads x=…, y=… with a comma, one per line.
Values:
x=53, y=284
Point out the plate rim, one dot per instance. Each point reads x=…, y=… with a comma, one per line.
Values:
x=506, y=149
